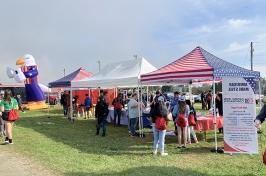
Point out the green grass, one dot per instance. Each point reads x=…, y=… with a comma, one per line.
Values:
x=74, y=150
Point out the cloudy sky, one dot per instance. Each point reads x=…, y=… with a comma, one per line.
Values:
x=77, y=33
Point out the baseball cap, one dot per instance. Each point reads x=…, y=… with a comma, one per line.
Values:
x=160, y=98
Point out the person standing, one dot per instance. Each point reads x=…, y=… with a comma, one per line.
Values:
x=6, y=105
x=174, y=107
x=133, y=113
x=2, y=124
x=88, y=105
x=161, y=122
x=182, y=123
x=19, y=100
x=261, y=116
x=190, y=128
x=118, y=105
x=63, y=102
x=203, y=101
x=101, y=113
x=209, y=99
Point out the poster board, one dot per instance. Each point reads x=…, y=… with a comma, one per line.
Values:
x=239, y=112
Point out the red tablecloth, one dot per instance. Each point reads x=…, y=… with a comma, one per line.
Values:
x=207, y=123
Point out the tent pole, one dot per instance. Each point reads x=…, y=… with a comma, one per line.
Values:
x=214, y=113
x=71, y=104
x=147, y=94
x=260, y=93
x=48, y=98
x=139, y=111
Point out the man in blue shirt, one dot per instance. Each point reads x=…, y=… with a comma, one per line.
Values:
x=87, y=105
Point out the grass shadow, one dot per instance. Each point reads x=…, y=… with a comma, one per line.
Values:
x=151, y=171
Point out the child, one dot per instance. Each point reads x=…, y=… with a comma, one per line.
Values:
x=190, y=128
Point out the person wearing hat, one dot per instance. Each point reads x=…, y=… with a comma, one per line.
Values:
x=262, y=115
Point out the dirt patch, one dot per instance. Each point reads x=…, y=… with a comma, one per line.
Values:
x=14, y=164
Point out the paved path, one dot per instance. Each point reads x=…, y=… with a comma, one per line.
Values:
x=14, y=164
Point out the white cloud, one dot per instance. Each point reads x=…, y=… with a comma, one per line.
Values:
x=235, y=46
x=238, y=23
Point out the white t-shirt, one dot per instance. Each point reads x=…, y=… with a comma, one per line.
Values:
x=133, y=110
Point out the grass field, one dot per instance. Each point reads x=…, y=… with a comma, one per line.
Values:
x=74, y=150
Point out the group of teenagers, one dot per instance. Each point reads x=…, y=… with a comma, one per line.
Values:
x=184, y=118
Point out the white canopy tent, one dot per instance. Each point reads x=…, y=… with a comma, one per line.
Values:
x=118, y=74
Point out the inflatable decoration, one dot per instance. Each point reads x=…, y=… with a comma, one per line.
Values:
x=27, y=71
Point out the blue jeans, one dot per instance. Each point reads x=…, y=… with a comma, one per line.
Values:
x=132, y=125
x=65, y=108
x=117, y=112
x=158, y=138
x=101, y=123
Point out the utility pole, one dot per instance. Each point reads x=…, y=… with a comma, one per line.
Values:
x=99, y=64
x=64, y=72
x=251, y=56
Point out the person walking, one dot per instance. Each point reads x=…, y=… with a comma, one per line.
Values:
x=101, y=113
x=8, y=103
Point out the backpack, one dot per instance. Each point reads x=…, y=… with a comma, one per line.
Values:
x=160, y=123
x=181, y=121
x=191, y=120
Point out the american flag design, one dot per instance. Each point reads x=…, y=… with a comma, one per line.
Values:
x=26, y=69
x=252, y=82
x=196, y=65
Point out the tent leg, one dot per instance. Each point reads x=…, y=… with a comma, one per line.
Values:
x=260, y=94
x=140, y=110
x=71, y=105
x=214, y=113
x=48, y=99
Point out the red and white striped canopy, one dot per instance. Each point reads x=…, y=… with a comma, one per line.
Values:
x=192, y=66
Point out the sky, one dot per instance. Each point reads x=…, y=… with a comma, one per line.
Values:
x=68, y=34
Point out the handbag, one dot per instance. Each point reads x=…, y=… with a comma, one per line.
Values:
x=181, y=121
x=13, y=115
x=191, y=120
x=160, y=123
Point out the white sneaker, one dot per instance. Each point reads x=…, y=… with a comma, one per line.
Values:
x=154, y=152
x=164, y=154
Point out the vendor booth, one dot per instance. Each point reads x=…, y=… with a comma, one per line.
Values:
x=198, y=65
x=116, y=75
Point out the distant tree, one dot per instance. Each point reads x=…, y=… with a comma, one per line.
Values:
x=167, y=89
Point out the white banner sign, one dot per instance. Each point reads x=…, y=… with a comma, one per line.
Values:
x=239, y=112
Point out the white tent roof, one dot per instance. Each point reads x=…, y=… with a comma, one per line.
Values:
x=118, y=74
